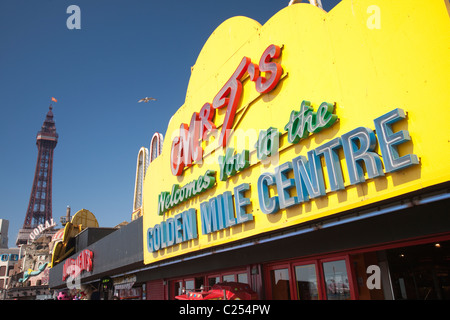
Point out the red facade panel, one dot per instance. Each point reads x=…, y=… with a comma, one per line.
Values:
x=155, y=290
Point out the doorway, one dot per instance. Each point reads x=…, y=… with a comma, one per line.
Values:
x=318, y=279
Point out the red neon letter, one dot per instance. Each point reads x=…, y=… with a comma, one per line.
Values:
x=206, y=115
x=253, y=71
x=262, y=84
x=186, y=147
x=192, y=149
x=176, y=156
x=229, y=96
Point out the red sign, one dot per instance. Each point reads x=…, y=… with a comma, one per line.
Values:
x=74, y=267
x=186, y=148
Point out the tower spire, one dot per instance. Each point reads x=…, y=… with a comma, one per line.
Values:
x=40, y=205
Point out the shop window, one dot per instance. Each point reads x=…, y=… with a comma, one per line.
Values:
x=420, y=272
x=229, y=278
x=206, y=281
x=199, y=282
x=242, y=278
x=177, y=288
x=306, y=280
x=2, y=271
x=371, y=275
x=189, y=285
x=279, y=279
x=336, y=280
x=213, y=280
x=309, y=280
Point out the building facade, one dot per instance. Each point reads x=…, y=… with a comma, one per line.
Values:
x=310, y=161
x=104, y=261
x=4, y=224
x=8, y=258
x=29, y=275
x=304, y=162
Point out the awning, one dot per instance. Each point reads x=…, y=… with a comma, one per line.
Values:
x=125, y=282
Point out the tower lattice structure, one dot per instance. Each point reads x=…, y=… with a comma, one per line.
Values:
x=40, y=205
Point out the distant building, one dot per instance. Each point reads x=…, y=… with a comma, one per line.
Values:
x=28, y=276
x=8, y=257
x=4, y=224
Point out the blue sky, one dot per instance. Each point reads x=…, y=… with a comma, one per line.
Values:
x=124, y=51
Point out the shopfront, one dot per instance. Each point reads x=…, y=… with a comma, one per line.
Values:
x=376, y=257
x=407, y=271
x=103, y=266
x=309, y=160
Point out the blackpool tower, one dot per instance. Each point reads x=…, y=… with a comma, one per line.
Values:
x=39, y=209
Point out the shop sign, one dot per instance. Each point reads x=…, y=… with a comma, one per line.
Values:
x=125, y=282
x=359, y=150
x=75, y=267
x=41, y=228
x=335, y=126
x=221, y=211
x=167, y=200
x=186, y=148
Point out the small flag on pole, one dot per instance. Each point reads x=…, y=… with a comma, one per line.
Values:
x=54, y=100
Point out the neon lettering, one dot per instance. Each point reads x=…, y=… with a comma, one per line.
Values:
x=359, y=145
x=181, y=228
x=187, y=147
x=284, y=184
x=268, y=143
x=262, y=84
x=267, y=204
x=241, y=202
x=389, y=141
x=330, y=154
x=168, y=200
x=218, y=213
x=229, y=96
x=75, y=267
x=359, y=152
x=302, y=123
x=308, y=176
x=232, y=163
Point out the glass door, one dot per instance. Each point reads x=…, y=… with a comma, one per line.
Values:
x=312, y=279
x=280, y=283
x=307, y=287
x=176, y=288
x=336, y=280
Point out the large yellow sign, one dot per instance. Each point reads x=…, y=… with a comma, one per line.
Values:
x=309, y=115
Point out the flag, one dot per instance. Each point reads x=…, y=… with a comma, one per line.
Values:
x=54, y=100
